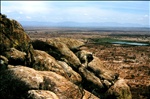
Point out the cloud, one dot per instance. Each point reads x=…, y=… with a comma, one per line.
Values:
x=28, y=17
x=26, y=7
x=20, y=12
x=146, y=15
x=79, y=11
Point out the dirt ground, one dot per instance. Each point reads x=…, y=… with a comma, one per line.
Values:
x=131, y=62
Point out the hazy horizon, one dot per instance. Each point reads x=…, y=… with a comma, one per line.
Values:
x=116, y=12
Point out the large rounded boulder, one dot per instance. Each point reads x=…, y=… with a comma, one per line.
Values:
x=59, y=50
x=22, y=82
x=12, y=34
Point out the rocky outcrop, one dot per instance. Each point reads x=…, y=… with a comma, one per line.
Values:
x=24, y=80
x=52, y=68
x=73, y=75
x=71, y=43
x=46, y=62
x=12, y=35
x=58, y=50
x=119, y=90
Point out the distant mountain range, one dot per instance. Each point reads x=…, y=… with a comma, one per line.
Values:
x=77, y=24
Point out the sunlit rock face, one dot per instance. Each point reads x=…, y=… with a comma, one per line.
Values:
x=59, y=50
x=41, y=94
x=54, y=68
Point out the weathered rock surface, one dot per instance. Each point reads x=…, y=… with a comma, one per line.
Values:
x=57, y=69
x=3, y=63
x=58, y=50
x=73, y=76
x=46, y=62
x=12, y=35
x=41, y=94
x=97, y=67
x=24, y=79
x=71, y=43
x=95, y=74
x=15, y=56
x=94, y=65
x=85, y=57
x=120, y=90
x=66, y=54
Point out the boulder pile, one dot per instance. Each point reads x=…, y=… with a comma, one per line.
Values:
x=54, y=68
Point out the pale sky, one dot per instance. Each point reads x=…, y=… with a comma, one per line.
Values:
x=137, y=12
